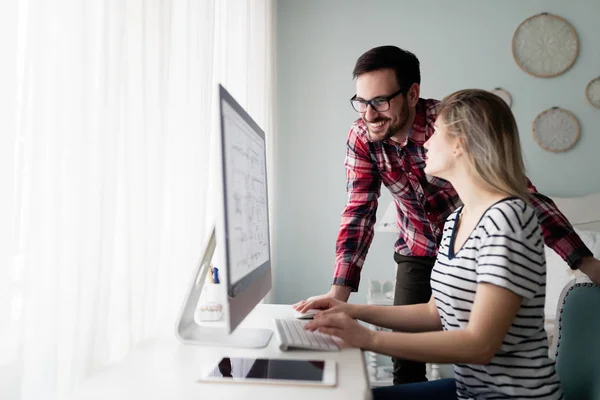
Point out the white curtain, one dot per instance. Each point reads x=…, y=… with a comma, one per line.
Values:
x=113, y=109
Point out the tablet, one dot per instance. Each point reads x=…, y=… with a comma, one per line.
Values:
x=273, y=371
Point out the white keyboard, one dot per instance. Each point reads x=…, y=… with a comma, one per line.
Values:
x=292, y=335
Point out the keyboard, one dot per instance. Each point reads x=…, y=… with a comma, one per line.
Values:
x=292, y=335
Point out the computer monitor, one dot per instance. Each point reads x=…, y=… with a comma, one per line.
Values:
x=241, y=234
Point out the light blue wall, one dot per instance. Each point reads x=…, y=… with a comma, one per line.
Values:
x=460, y=44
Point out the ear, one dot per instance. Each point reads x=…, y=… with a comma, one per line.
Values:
x=413, y=94
x=458, y=147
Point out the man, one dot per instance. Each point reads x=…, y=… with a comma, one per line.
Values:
x=385, y=145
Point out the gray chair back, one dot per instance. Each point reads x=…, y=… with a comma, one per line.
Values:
x=576, y=344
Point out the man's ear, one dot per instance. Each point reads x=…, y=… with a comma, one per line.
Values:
x=413, y=94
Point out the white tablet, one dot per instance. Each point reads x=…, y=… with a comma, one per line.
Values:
x=274, y=371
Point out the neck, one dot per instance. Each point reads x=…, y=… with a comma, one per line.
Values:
x=475, y=197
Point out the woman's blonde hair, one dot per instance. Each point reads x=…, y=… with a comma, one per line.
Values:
x=490, y=137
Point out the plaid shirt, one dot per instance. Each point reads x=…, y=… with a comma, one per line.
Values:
x=423, y=202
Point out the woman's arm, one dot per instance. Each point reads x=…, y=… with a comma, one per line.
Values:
x=412, y=318
x=476, y=344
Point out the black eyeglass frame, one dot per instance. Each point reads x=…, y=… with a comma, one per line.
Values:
x=368, y=103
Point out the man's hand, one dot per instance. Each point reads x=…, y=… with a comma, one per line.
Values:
x=343, y=326
x=337, y=292
x=591, y=267
x=327, y=304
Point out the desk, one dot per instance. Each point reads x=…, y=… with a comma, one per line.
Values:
x=166, y=369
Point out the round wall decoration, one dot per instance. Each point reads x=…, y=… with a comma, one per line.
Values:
x=592, y=92
x=545, y=45
x=503, y=94
x=556, y=129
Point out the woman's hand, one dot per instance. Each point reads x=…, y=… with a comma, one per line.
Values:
x=343, y=326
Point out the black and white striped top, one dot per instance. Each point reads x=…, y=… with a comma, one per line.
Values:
x=506, y=249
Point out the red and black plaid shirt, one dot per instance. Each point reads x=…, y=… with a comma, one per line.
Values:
x=423, y=202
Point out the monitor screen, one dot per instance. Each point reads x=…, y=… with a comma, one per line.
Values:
x=246, y=210
x=239, y=238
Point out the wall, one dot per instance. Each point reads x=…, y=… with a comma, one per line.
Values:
x=460, y=44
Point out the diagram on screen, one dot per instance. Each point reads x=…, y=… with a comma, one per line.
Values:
x=247, y=211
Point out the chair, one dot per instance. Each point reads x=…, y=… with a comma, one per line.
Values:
x=577, y=340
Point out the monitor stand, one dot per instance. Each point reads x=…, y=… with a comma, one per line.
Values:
x=189, y=332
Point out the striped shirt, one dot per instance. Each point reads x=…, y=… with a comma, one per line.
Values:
x=422, y=202
x=505, y=249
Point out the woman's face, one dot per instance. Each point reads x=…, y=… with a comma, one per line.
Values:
x=441, y=151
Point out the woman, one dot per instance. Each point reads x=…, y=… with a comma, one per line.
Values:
x=486, y=313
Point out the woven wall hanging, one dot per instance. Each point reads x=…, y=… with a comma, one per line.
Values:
x=503, y=94
x=556, y=129
x=592, y=92
x=545, y=45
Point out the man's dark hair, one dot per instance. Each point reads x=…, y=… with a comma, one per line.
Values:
x=404, y=63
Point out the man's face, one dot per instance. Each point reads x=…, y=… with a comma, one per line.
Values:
x=382, y=83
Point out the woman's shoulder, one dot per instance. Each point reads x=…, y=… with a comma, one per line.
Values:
x=509, y=215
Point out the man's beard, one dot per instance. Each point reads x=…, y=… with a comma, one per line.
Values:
x=392, y=129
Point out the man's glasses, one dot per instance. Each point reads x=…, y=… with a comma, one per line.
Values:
x=379, y=104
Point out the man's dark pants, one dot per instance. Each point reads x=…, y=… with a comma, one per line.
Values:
x=412, y=287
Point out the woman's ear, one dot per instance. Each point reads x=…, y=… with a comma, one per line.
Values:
x=458, y=147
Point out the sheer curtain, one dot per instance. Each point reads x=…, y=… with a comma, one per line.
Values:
x=110, y=143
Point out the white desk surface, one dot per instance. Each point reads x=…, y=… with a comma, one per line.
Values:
x=167, y=369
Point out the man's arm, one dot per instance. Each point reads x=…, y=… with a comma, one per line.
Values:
x=558, y=232
x=591, y=267
x=358, y=218
x=561, y=237
x=339, y=292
